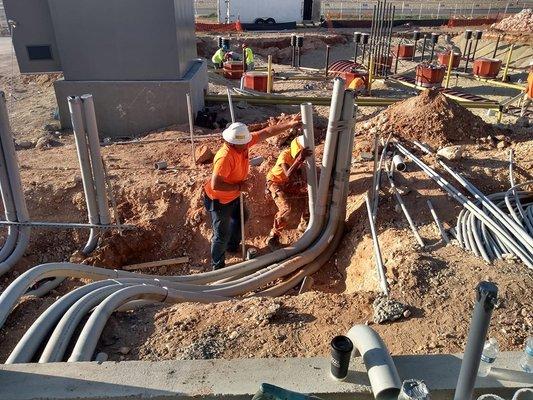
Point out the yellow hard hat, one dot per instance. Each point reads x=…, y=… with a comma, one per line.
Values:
x=297, y=145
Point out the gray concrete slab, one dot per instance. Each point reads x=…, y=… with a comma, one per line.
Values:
x=238, y=379
x=132, y=108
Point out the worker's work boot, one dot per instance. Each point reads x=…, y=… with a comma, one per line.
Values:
x=273, y=242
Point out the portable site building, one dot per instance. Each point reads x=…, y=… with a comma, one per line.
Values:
x=269, y=11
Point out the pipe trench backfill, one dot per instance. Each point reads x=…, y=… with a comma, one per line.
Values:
x=117, y=289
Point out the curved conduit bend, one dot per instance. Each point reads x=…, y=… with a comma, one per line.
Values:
x=339, y=143
x=12, y=195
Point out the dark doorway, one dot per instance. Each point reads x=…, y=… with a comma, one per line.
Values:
x=308, y=10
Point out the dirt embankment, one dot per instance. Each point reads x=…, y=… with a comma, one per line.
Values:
x=278, y=47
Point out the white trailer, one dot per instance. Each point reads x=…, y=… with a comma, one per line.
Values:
x=268, y=11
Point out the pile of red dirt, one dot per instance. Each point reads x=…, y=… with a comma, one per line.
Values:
x=521, y=22
x=430, y=118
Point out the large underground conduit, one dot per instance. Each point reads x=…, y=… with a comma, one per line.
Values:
x=382, y=373
x=80, y=136
x=32, y=338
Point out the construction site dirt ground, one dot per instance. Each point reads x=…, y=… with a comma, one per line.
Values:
x=436, y=282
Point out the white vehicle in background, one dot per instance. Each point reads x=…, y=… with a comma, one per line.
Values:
x=268, y=11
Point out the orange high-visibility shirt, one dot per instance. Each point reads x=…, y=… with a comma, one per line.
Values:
x=276, y=174
x=529, y=89
x=233, y=167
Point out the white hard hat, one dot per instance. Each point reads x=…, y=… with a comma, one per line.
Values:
x=531, y=63
x=237, y=133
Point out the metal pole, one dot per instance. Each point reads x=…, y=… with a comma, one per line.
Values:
x=230, y=104
x=468, y=55
x=397, y=56
x=438, y=11
x=506, y=7
x=243, y=244
x=371, y=39
x=449, y=72
x=475, y=47
x=377, y=251
x=472, y=12
x=507, y=62
x=496, y=47
x=442, y=231
x=423, y=47
x=326, y=68
x=486, y=297
x=269, y=76
x=191, y=127
x=391, y=27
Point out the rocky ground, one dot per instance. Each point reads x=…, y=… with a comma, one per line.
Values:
x=435, y=282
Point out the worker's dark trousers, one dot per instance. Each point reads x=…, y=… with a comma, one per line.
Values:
x=226, y=220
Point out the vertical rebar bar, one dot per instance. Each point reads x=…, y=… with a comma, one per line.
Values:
x=468, y=55
x=496, y=46
x=391, y=27
x=423, y=48
x=326, y=68
x=371, y=38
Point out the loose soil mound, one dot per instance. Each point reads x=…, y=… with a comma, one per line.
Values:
x=521, y=22
x=431, y=118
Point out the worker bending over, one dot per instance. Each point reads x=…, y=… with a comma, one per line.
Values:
x=285, y=180
x=228, y=180
x=358, y=85
x=528, y=96
x=219, y=57
x=249, y=54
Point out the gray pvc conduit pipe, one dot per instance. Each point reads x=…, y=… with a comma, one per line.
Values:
x=59, y=339
x=96, y=159
x=10, y=215
x=80, y=136
x=518, y=231
x=13, y=175
x=310, y=162
x=269, y=274
x=314, y=229
x=88, y=339
x=8, y=201
x=382, y=373
x=462, y=199
x=29, y=344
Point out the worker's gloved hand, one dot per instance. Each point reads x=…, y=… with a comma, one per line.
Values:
x=296, y=121
x=302, y=155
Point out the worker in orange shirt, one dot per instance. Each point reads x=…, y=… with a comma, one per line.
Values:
x=285, y=180
x=358, y=84
x=228, y=180
x=528, y=96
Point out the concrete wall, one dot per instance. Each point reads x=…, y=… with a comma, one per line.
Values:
x=132, y=108
x=124, y=39
x=239, y=379
x=34, y=28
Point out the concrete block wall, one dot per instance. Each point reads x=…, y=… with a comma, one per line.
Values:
x=132, y=108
